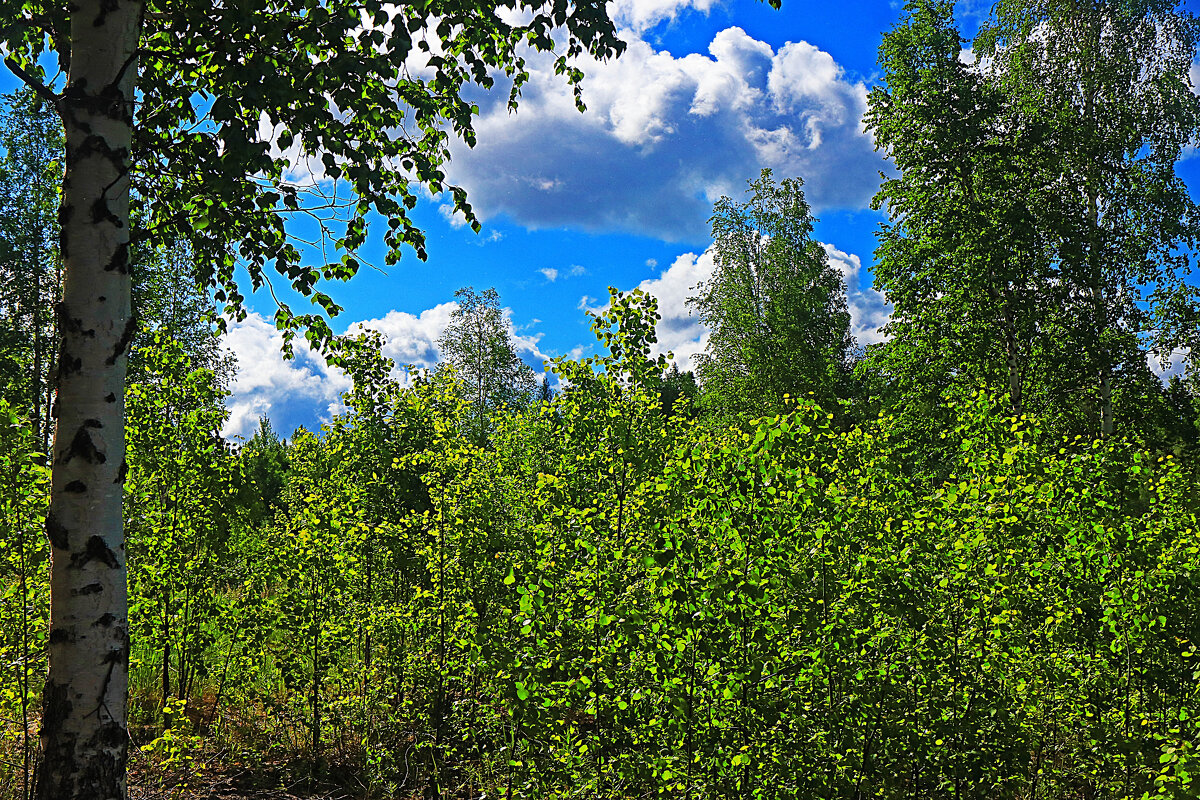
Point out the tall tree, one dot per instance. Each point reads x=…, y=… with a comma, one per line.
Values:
x=479, y=345
x=1108, y=85
x=169, y=299
x=173, y=98
x=30, y=276
x=775, y=307
x=1028, y=223
x=963, y=261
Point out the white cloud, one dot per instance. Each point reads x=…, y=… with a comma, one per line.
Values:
x=869, y=310
x=1175, y=364
x=665, y=136
x=452, y=215
x=679, y=331
x=590, y=305
x=302, y=389
x=550, y=272
x=640, y=15
x=411, y=338
x=306, y=390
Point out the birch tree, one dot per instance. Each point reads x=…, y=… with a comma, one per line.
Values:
x=963, y=259
x=1108, y=84
x=776, y=308
x=197, y=111
x=477, y=342
x=1039, y=236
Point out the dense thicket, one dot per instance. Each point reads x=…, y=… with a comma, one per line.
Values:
x=965, y=569
x=607, y=600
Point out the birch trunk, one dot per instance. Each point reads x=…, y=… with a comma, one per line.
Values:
x=84, y=735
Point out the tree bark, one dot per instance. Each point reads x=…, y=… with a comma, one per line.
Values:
x=84, y=735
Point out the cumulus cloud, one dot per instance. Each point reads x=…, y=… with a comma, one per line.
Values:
x=307, y=391
x=411, y=339
x=1174, y=364
x=452, y=215
x=641, y=15
x=550, y=273
x=665, y=136
x=680, y=332
x=290, y=392
x=869, y=310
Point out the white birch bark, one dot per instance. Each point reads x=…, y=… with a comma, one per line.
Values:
x=84, y=733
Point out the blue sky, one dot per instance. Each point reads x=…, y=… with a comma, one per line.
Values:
x=707, y=93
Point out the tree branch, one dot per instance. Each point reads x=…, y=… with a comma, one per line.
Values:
x=38, y=87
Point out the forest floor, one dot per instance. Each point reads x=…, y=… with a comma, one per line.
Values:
x=200, y=769
x=217, y=773
x=221, y=777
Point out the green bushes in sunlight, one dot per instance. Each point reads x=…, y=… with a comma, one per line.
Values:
x=606, y=600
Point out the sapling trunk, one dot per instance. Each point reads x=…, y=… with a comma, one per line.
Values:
x=25, y=622
x=166, y=658
x=316, y=681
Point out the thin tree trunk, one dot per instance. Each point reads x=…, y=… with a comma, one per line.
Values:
x=316, y=681
x=35, y=382
x=25, y=654
x=166, y=658
x=84, y=735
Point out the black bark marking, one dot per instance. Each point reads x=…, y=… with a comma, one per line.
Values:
x=100, y=213
x=55, y=703
x=105, y=776
x=83, y=447
x=110, y=398
x=72, y=325
x=119, y=261
x=92, y=144
x=64, y=216
x=96, y=145
x=59, y=746
x=91, y=588
x=122, y=471
x=112, y=735
x=105, y=621
x=107, y=7
x=68, y=364
x=61, y=636
x=75, y=487
x=56, y=533
x=123, y=343
x=92, y=423
x=96, y=550
x=120, y=655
